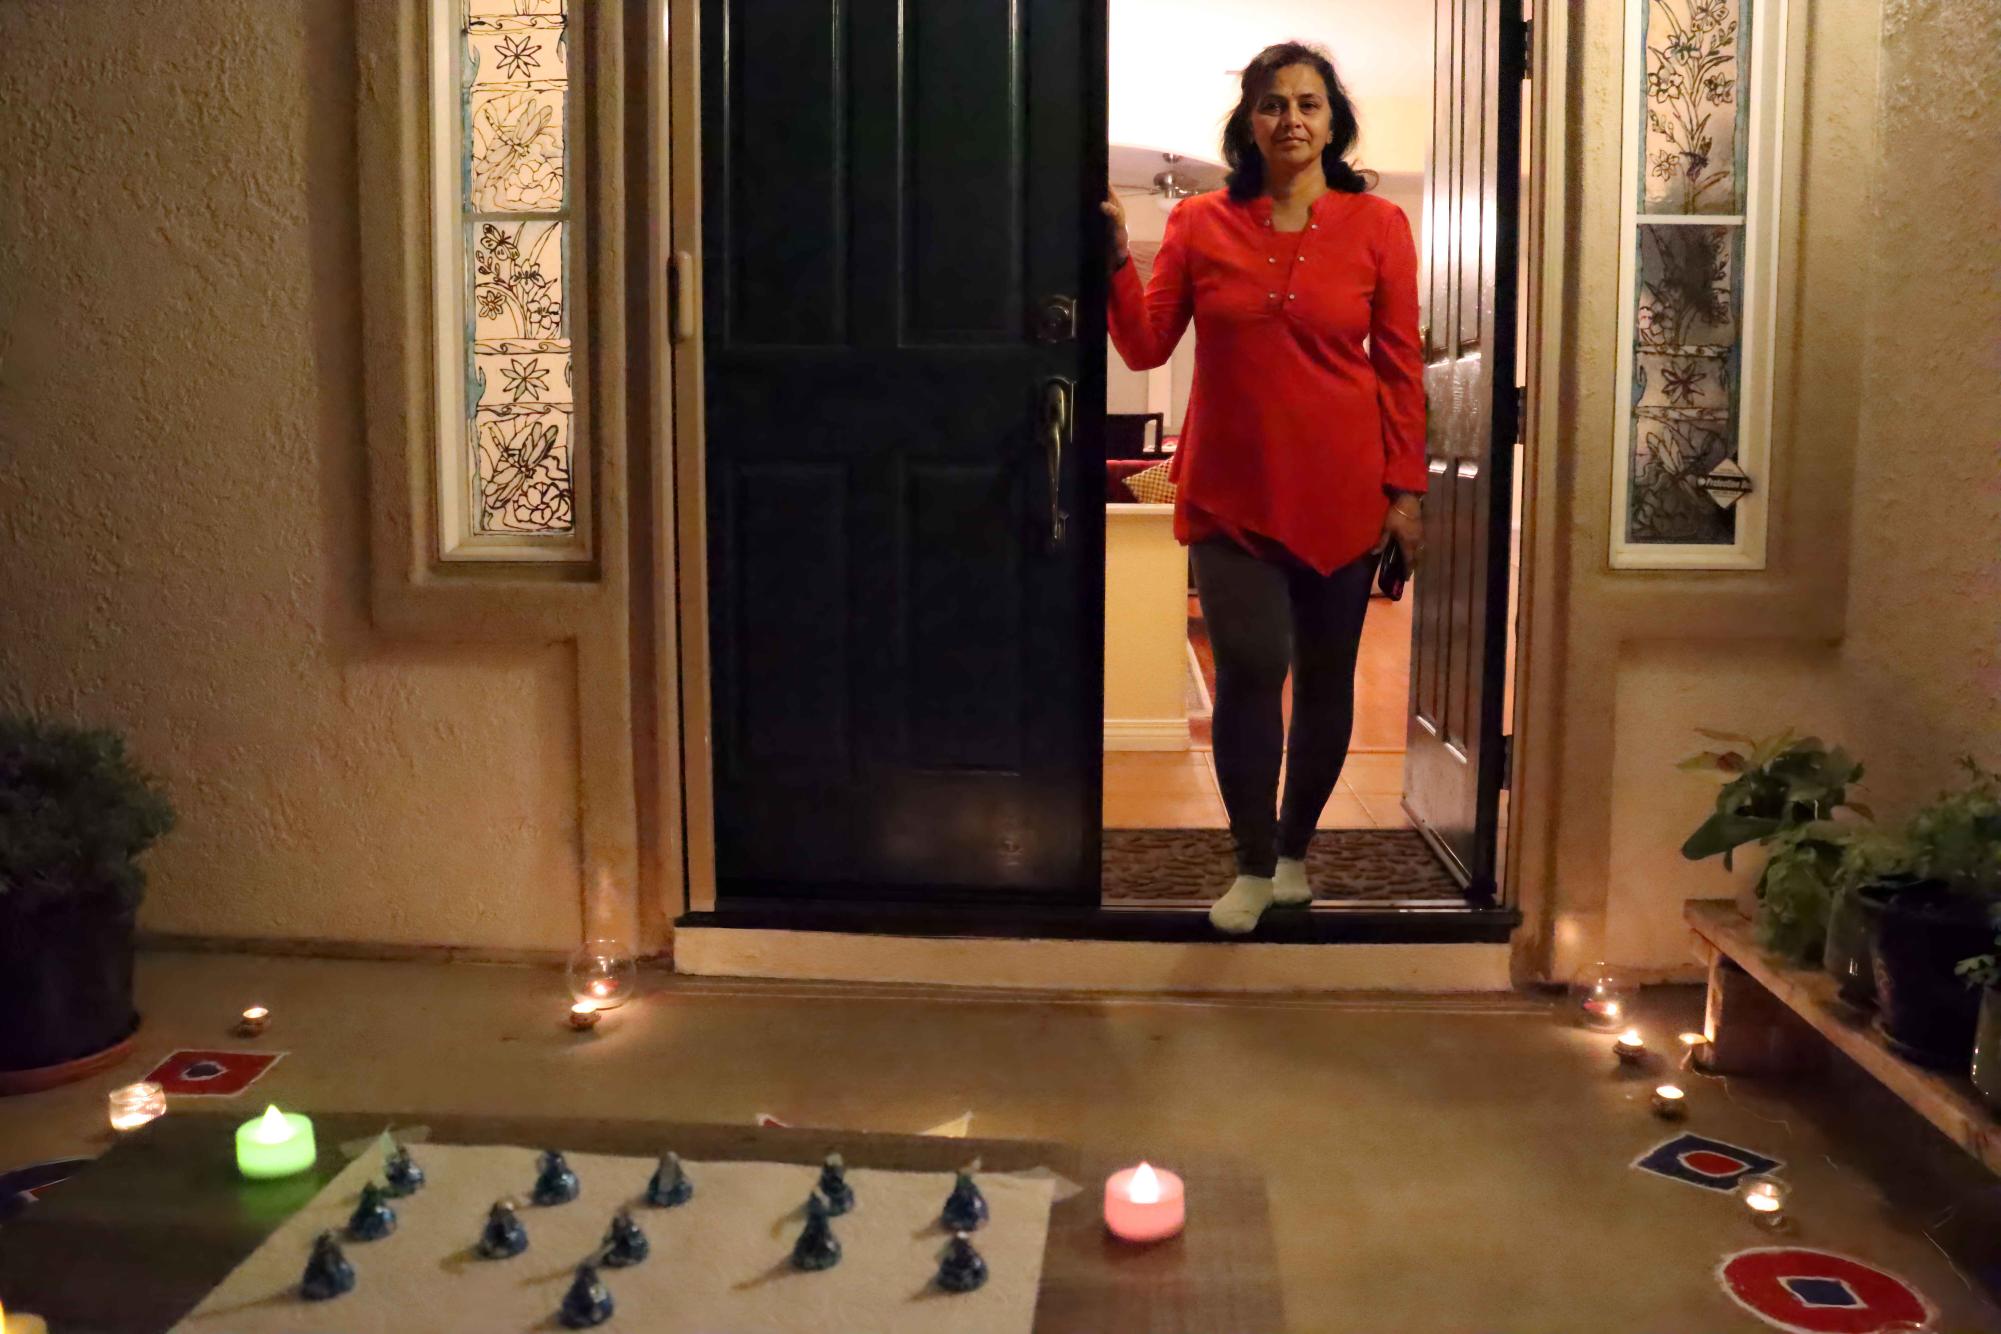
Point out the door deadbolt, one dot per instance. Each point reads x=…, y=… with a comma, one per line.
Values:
x=1055, y=319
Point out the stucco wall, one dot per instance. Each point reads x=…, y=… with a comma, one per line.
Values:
x=1922, y=660
x=182, y=514
x=1875, y=622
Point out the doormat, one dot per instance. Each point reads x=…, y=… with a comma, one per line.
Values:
x=1343, y=866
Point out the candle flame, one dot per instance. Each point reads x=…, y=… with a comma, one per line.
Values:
x=255, y=1012
x=584, y=1007
x=1669, y=1091
x=1631, y=1038
x=1612, y=1009
x=272, y=1128
x=1144, y=1187
x=1693, y=1039
x=601, y=988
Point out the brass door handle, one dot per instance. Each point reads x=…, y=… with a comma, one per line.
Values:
x=1058, y=421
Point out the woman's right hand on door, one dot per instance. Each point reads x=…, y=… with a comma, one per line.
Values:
x=1115, y=214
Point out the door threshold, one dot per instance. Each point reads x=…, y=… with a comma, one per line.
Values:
x=1322, y=924
x=1103, y=949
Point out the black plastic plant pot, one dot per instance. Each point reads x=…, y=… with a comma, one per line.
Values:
x=1924, y=1009
x=65, y=988
x=1847, y=952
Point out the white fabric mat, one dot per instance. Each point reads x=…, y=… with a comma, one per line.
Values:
x=720, y=1264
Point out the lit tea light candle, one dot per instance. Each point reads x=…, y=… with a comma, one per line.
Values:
x=1630, y=1047
x=1606, y=998
x=1603, y=1010
x=22, y=1323
x=1144, y=1204
x=253, y=1021
x=136, y=1104
x=583, y=1015
x=276, y=1144
x=1765, y=1197
x=1670, y=1103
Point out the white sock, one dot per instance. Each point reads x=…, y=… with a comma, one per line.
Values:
x=1237, y=912
x=1288, y=885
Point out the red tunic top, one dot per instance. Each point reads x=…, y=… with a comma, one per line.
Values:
x=1294, y=428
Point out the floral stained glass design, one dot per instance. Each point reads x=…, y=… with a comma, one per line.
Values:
x=1685, y=383
x=1693, y=148
x=515, y=169
x=1683, y=476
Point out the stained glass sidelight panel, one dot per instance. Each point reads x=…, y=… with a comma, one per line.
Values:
x=1695, y=221
x=516, y=184
x=1685, y=383
x=1694, y=138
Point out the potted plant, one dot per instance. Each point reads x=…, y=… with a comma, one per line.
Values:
x=75, y=813
x=1782, y=793
x=1875, y=865
x=1924, y=931
x=1984, y=971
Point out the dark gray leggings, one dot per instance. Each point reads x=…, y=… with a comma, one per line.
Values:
x=1263, y=617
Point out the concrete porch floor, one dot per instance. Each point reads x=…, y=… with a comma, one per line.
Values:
x=1434, y=1165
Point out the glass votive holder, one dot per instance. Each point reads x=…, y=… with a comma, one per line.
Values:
x=1765, y=1199
x=602, y=972
x=136, y=1104
x=1669, y=1102
x=1605, y=998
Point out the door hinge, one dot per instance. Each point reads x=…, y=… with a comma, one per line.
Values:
x=1528, y=47
x=1521, y=414
x=1507, y=761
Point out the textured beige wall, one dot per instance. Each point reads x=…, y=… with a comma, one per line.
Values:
x=1922, y=660
x=182, y=517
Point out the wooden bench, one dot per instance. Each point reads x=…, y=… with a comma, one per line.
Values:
x=1767, y=1015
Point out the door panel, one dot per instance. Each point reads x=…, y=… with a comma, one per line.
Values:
x=908, y=667
x=1455, y=754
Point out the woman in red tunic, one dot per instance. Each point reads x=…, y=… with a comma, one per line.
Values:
x=1303, y=447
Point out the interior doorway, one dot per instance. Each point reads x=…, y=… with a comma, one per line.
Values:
x=1171, y=82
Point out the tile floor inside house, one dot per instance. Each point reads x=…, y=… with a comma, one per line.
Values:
x=1434, y=1165
x=1177, y=789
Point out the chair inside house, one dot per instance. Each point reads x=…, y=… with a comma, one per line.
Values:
x=1127, y=436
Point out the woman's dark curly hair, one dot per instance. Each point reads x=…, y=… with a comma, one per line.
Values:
x=1240, y=147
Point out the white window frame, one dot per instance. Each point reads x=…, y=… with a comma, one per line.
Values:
x=456, y=475
x=1766, y=70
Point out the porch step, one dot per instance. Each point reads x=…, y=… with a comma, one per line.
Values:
x=1108, y=949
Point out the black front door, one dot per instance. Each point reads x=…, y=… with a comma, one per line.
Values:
x=1455, y=757
x=903, y=263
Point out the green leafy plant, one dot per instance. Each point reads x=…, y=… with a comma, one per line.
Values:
x=75, y=813
x=1983, y=970
x=1958, y=835
x=1782, y=793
